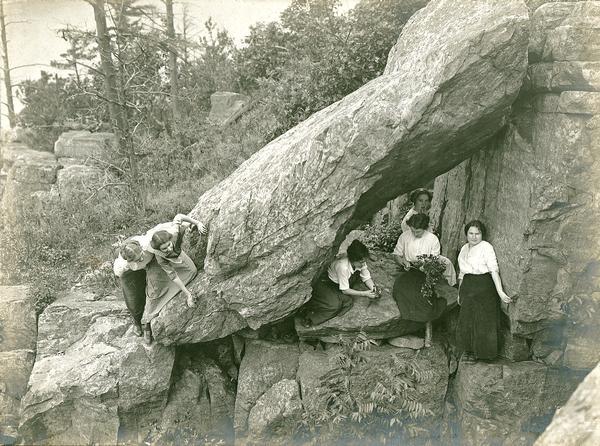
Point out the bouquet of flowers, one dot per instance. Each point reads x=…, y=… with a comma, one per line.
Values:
x=434, y=269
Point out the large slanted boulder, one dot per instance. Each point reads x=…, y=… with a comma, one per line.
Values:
x=577, y=423
x=93, y=380
x=448, y=85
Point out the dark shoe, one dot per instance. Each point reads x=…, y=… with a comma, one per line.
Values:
x=305, y=322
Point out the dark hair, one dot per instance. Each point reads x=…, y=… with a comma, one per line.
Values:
x=415, y=194
x=160, y=238
x=476, y=224
x=357, y=251
x=130, y=250
x=418, y=221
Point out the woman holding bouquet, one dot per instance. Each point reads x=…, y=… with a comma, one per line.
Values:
x=407, y=290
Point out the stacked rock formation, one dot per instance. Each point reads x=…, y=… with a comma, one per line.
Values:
x=535, y=186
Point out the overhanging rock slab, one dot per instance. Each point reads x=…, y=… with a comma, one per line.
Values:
x=277, y=220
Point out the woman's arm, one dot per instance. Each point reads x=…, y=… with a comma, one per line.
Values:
x=182, y=218
x=366, y=293
x=498, y=282
x=400, y=260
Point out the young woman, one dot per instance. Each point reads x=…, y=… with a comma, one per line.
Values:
x=480, y=292
x=332, y=294
x=153, y=269
x=171, y=269
x=412, y=304
x=130, y=268
x=421, y=200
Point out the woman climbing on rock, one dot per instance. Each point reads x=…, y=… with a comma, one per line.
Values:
x=332, y=294
x=168, y=270
x=479, y=295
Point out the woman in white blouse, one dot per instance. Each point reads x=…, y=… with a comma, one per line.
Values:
x=332, y=294
x=480, y=292
x=407, y=286
x=421, y=200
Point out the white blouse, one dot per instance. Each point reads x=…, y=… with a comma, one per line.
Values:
x=478, y=259
x=341, y=270
x=409, y=246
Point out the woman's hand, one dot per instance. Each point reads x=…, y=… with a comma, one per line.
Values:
x=189, y=298
x=505, y=297
x=201, y=228
x=371, y=294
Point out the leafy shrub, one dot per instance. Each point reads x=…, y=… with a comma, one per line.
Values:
x=381, y=236
x=360, y=397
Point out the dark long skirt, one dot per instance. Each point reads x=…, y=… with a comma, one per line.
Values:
x=479, y=319
x=411, y=303
x=133, y=285
x=327, y=302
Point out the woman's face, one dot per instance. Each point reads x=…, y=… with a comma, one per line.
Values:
x=418, y=233
x=166, y=248
x=474, y=236
x=422, y=203
x=359, y=264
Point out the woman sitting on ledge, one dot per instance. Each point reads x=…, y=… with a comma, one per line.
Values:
x=412, y=304
x=332, y=294
x=479, y=295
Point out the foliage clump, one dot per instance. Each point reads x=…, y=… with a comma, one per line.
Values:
x=368, y=396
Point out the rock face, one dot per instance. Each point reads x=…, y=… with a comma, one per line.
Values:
x=83, y=145
x=265, y=364
x=18, y=332
x=31, y=179
x=201, y=400
x=93, y=380
x=535, y=187
x=279, y=217
x=226, y=106
x=27, y=172
x=577, y=423
x=378, y=319
x=507, y=403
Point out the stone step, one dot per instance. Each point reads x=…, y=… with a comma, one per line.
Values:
x=564, y=76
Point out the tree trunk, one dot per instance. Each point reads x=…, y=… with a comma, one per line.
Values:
x=116, y=108
x=174, y=74
x=12, y=119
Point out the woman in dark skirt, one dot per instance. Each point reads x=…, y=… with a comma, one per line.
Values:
x=332, y=294
x=130, y=268
x=480, y=292
x=407, y=287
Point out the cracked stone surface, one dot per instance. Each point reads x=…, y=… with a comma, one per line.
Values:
x=279, y=218
x=92, y=378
